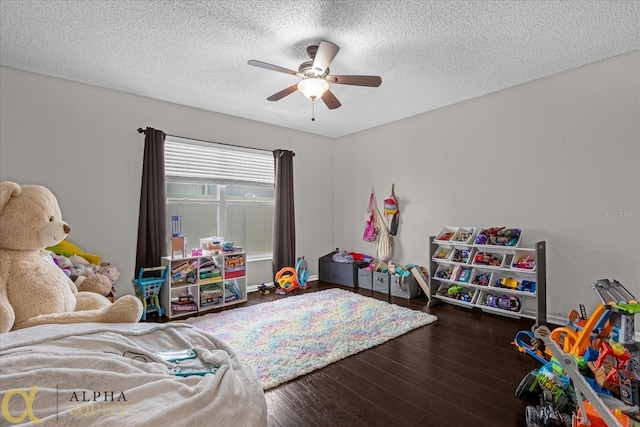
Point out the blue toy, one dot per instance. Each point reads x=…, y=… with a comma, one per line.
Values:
x=302, y=273
x=148, y=288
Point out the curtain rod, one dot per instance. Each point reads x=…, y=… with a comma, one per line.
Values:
x=140, y=130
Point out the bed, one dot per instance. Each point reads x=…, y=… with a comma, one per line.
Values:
x=110, y=374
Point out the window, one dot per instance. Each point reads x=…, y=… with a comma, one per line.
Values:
x=223, y=191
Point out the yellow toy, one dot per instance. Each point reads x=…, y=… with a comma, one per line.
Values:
x=68, y=249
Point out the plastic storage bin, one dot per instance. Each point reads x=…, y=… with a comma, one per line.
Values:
x=524, y=260
x=211, y=245
x=446, y=234
x=507, y=305
x=499, y=236
x=480, y=277
x=457, y=294
x=442, y=254
x=462, y=255
x=464, y=235
x=489, y=259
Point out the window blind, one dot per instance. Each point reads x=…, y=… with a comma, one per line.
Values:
x=197, y=161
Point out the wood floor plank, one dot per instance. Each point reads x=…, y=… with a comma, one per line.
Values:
x=402, y=412
x=461, y=370
x=430, y=395
x=450, y=385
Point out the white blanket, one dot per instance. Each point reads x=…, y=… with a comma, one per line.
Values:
x=107, y=374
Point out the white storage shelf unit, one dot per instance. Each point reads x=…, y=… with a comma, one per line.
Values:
x=499, y=278
x=201, y=283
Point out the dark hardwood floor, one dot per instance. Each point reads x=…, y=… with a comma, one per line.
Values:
x=461, y=370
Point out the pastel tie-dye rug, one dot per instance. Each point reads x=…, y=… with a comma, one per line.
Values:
x=293, y=336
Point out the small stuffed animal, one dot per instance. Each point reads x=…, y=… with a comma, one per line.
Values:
x=98, y=283
x=33, y=290
x=64, y=263
x=111, y=272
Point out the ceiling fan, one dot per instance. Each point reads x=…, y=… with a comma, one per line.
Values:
x=315, y=76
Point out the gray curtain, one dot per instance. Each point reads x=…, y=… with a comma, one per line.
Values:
x=152, y=236
x=284, y=228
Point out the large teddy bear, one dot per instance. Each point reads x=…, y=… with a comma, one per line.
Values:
x=33, y=289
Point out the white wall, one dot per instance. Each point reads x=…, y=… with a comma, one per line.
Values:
x=551, y=156
x=81, y=142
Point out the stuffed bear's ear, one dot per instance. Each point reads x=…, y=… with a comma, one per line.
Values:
x=8, y=189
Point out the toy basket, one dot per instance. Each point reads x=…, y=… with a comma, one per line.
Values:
x=148, y=288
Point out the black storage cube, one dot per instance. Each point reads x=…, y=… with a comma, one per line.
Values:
x=339, y=272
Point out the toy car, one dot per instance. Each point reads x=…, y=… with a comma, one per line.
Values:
x=504, y=302
x=547, y=381
x=545, y=415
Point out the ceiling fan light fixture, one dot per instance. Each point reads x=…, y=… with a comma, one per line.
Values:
x=313, y=87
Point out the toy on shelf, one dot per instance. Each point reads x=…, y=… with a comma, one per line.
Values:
x=231, y=291
x=504, y=302
x=178, y=241
x=183, y=303
x=211, y=245
x=482, y=279
x=457, y=292
x=148, y=285
x=500, y=236
x=443, y=273
x=484, y=258
x=234, y=266
x=446, y=235
x=525, y=263
x=463, y=235
x=210, y=295
x=460, y=255
x=511, y=283
x=442, y=253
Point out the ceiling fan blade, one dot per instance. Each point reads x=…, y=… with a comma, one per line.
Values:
x=330, y=100
x=283, y=93
x=372, y=81
x=325, y=54
x=272, y=67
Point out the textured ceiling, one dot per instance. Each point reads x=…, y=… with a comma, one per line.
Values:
x=429, y=53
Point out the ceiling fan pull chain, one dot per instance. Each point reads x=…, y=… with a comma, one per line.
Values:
x=313, y=110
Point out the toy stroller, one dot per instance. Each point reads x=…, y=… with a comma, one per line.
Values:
x=148, y=288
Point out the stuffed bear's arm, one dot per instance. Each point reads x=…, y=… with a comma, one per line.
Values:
x=7, y=315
